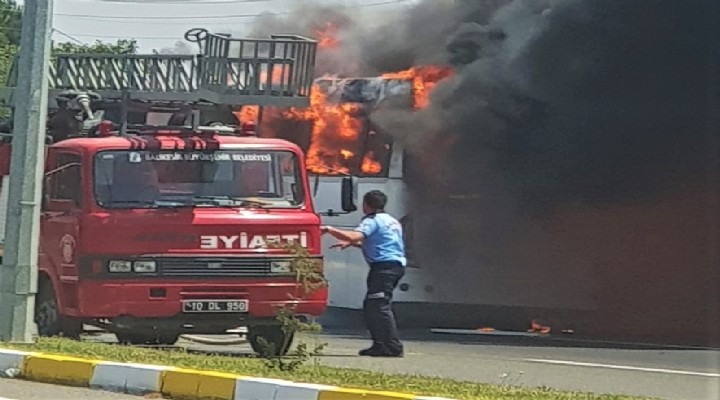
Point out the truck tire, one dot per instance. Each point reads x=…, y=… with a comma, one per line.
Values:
x=165, y=338
x=278, y=341
x=47, y=317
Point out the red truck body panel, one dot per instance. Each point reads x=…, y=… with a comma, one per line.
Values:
x=4, y=159
x=104, y=299
x=76, y=245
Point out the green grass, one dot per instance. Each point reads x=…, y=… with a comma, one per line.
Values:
x=312, y=372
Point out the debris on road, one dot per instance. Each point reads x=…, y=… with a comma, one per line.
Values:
x=10, y=373
x=493, y=332
x=537, y=326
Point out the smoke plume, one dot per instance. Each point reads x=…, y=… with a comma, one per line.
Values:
x=572, y=160
x=566, y=100
x=372, y=40
x=579, y=100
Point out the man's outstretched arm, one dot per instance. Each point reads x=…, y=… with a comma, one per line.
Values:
x=353, y=238
x=342, y=245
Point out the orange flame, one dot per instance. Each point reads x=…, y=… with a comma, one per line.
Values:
x=424, y=81
x=327, y=36
x=335, y=130
x=248, y=114
x=280, y=76
x=371, y=166
x=336, y=144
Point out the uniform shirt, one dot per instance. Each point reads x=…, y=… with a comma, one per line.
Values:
x=383, y=239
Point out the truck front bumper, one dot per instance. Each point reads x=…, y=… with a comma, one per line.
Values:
x=164, y=299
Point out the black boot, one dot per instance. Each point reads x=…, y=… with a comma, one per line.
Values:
x=375, y=348
x=381, y=351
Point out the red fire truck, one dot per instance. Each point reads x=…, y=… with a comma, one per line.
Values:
x=158, y=209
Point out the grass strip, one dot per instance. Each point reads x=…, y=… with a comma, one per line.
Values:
x=314, y=373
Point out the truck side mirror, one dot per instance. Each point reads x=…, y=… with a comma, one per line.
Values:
x=317, y=185
x=45, y=199
x=348, y=195
x=44, y=205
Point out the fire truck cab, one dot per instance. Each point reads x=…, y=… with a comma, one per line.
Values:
x=159, y=212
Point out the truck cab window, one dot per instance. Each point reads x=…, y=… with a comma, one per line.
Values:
x=65, y=184
x=144, y=179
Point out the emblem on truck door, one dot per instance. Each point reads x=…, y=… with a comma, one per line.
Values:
x=67, y=249
x=248, y=241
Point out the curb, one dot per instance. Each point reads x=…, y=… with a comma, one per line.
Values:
x=178, y=383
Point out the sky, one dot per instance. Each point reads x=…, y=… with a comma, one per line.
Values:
x=157, y=24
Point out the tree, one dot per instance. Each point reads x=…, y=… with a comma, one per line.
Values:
x=10, y=23
x=120, y=47
x=8, y=50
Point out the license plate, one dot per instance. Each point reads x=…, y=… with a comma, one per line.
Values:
x=215, y=306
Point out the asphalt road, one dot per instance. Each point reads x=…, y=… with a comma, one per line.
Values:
x=13, y=389
x=673, y=373
x=668, y=373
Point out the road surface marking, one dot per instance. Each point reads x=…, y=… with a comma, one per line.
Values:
x=625, y=367
x=479, y=332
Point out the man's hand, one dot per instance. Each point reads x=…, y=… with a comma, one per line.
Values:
x=353, y=237
x=341, y=245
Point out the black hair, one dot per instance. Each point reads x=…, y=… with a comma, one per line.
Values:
x=376, y=200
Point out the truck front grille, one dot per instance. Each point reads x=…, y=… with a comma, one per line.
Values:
x=181, y=266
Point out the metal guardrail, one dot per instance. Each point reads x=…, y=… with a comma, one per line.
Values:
x=153, y=73
x=281, y=66
x=277, y=71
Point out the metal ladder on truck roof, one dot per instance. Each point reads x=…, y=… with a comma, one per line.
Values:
x=227, y=73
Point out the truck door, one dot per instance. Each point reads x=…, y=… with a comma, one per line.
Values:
x=60, y=220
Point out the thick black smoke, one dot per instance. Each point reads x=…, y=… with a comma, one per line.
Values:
x=577, y=151
x=584, y=172
x=585, y=100
x=569, y=100
x=373, y=38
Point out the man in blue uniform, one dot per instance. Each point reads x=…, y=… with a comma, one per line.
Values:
x=381, y=238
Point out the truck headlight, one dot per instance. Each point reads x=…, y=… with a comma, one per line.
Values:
x=119, y=266
x=144, y=266
x=281, y=267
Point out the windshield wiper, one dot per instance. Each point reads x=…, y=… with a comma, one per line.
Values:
x=130, y=203
x=238, y=201
x=141, y=203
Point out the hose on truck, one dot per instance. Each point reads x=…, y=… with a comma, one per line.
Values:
x=215, y=342
x=232, y=338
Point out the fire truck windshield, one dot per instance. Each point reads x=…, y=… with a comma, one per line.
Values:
x=154, y=179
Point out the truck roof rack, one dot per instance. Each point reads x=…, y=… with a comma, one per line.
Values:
x=278, y=71
x=183, y=129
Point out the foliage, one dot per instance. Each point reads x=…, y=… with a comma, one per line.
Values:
x=120, y=47
x=310, y=278
x=7, y=55
x=344, y=377
x=8, y=51
x=10, y=23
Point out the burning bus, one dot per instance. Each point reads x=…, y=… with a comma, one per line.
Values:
x=567, y=172
x=478, y=255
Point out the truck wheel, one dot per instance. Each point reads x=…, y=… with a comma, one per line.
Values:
x=166, y=339
x=49, y=320
x=276, y=341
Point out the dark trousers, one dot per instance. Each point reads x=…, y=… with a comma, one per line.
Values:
x=382, y=280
